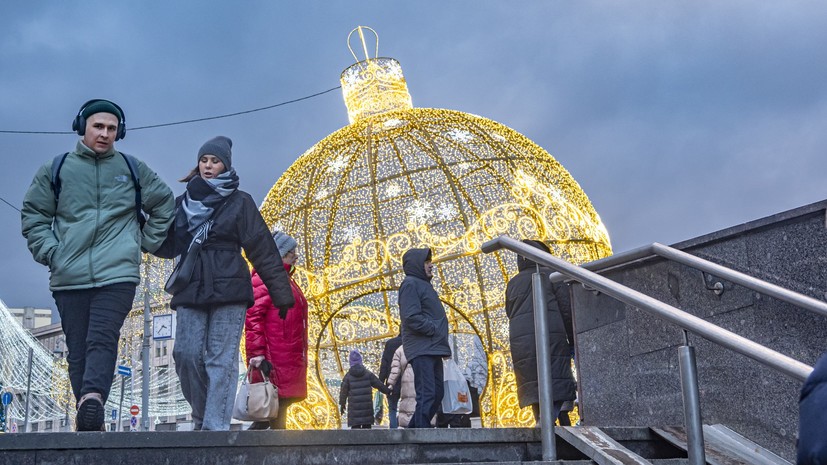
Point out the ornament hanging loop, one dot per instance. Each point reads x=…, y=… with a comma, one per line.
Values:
x=361, y=29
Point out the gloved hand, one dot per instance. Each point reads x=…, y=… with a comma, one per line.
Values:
x=265, y=368
x=283, y=312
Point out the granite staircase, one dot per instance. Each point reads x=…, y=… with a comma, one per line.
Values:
x=576, y=445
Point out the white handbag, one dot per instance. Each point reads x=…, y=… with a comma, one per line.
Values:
x=256, y=401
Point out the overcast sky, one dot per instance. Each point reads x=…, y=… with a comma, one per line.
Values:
x=676, y=118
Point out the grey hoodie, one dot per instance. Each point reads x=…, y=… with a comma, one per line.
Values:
x=424, y=323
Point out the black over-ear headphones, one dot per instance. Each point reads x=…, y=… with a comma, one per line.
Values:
x=79, y=123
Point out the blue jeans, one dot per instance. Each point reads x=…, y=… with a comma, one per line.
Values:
x=92, y=321
x=428, y=381
x=206, y=361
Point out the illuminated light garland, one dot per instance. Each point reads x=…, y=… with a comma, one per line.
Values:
x=399, y=177
x=51, y=392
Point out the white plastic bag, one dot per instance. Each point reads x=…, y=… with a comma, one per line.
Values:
x=457, y=398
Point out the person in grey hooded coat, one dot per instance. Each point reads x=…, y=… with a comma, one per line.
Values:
x=519, y=306
x=424, y=333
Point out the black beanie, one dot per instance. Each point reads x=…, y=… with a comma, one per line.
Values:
x=102, y=106
x=219, y=146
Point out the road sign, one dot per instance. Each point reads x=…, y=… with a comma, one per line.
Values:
x=124, y=370
x=114, y=414
x=7, y=398
x=134, y=410
x=14, y=427
x=133, y=421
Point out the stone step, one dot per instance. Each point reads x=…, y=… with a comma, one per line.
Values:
x=362, y=447
x=504, y=446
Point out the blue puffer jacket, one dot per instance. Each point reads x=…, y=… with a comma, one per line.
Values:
x=812, y=407
x=424, y=323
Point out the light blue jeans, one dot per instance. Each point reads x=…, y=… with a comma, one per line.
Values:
x=206, y=361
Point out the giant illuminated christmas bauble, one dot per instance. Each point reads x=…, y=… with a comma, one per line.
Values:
x=399, y=177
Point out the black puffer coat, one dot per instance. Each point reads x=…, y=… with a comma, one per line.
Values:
x=357, y=392
x=221, y=275
x=424, y=323
x=519, y=307
x=812, y=440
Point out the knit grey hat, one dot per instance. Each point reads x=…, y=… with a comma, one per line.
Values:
x=219, y=146
x=284, y=242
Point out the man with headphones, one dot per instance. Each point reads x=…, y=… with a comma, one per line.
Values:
x=79, y=219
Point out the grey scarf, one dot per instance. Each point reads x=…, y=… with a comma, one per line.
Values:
x=202, y=198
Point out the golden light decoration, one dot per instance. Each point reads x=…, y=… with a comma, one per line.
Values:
x=399, y=177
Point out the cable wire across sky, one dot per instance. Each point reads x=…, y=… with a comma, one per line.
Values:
x=160, y=125
x=196, y=120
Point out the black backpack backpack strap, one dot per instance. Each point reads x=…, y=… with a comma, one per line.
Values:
x=131, y=163
x=57, y=164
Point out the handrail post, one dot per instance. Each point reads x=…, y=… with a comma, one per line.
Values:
x=691, y=403
x=544, y=388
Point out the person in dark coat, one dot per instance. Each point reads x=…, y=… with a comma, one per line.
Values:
x=812, y=417
x=357, y=393
x=519, y=307
x=211, y=308
x=384, y=372
x=424, y=333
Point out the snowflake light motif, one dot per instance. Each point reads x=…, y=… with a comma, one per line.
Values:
x=393, y=123
x=497, y=136
x=351, y=232
x=445, y=212
x=419, y=211
x=393, y=190
x=337, y=164
x=460, y=135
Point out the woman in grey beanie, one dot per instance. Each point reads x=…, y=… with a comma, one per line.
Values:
x=211, y=308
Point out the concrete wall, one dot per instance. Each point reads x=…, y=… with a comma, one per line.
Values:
x=628, y=361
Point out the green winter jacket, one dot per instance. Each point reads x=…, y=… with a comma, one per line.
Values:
x=91, y=238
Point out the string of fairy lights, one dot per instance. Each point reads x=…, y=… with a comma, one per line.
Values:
x=50, y=396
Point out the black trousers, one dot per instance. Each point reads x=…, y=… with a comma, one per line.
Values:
x=92, y=320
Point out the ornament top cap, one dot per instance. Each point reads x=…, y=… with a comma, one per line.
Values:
x=374, y=85
x=361, y=29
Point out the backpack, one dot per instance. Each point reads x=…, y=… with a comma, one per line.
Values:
x=131, y=163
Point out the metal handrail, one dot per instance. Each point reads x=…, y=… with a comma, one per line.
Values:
x=775, y=360
x=737, y=277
